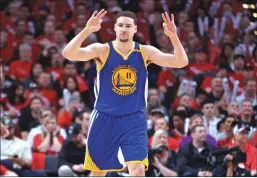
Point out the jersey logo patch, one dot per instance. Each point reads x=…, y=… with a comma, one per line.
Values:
x=124, y=80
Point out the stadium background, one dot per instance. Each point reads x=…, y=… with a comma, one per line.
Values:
x=219, y=37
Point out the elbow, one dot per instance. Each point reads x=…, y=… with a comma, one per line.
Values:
x=183, y=63
x=66, y=54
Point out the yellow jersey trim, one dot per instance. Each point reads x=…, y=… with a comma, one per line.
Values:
x=89, y=164
x=125, y=57
x=143, y=55
x=144, y=162
x=105, y=59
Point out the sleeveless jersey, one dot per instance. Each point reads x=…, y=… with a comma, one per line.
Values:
x=121, y=85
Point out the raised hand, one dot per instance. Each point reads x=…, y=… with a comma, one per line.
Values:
x=94, y=23
x=169, y=26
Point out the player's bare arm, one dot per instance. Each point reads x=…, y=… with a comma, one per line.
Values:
x=73, y=50
x=154, y=55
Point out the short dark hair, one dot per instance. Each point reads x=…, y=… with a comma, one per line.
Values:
x=127, y=14
x=193, y=129
x=208, y=101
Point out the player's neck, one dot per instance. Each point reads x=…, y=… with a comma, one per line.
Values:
x=124, y=46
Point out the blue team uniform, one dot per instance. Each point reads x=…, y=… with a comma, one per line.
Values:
x=118, y=127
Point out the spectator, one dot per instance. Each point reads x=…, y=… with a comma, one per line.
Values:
x=59, y=39
x=50, y=141
x=66, y=115
x=30, y=116
x=6, y=47
x=210, y=121
x=191, y=159
x=178, y=122
x=44, y=113
x=19, y=69
x=240, y=138
x=216, y=89
x=163, y=163
x=247, y=113
x=153, y=115
x=16, y=96
x=161, y=123
x=233, y=109
x=197, y=120
x=56, y=68
x=35, y=71
x=250, y=92
x=72, y=153
x=228, y=128
x=44, y=83
x=16, y=154
x=47, y=38
x=83, y=119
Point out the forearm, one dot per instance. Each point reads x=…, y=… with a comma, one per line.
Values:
x=179, y=52
x=72, y=48
x=56, y=144
x=10, y=174
x=166, y=171
x=230, y=171
x=44, y=145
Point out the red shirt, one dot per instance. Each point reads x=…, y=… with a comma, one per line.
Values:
x=38, y=139
x=195, y=69
x=251, y=154
x=81, y=82
x=253, y=140
x=166, y=78
x=56, y=72
x=50, y=94
x=65, y=119
x=173, y=144
x=177, y=135
x=20, y=69
x=3, y=170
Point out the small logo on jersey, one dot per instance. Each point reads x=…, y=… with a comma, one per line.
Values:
x=124, y=80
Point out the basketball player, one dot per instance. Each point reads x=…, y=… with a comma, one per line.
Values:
x=117, y=133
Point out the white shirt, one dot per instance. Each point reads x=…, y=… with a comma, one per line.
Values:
x=38, y=130
x=211, y=126
x=16, y=146
x=241, y=98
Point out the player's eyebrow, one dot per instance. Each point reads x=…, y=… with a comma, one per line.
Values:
x=124, y=24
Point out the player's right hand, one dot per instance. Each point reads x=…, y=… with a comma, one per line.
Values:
x=94, y=23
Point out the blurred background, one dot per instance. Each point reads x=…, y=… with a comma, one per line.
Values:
x=46, y=100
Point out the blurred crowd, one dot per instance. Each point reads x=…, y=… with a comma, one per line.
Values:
x=211, y=104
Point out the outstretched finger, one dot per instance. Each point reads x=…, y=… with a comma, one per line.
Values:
x=164, y=18
x=103, y=14
x=99, y=13
x=94, y=13
x=167, y=16
x=172, y=18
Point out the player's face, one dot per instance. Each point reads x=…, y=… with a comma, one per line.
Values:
x=125, y=29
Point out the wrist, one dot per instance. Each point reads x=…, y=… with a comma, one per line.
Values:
x=87, y=30
x=174, y=39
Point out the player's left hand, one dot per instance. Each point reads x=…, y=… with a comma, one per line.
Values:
x=168, y=24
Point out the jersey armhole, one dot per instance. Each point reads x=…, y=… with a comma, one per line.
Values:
x=146, y=62
x=104, y=60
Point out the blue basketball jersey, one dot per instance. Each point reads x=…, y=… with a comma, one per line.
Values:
x=121, y=84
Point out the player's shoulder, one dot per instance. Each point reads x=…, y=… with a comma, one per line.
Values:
x=148, y=47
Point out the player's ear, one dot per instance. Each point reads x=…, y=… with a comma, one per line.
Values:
x=135, y=28
x=115, y=27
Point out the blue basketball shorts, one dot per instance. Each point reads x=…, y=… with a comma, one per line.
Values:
x=115, y=141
